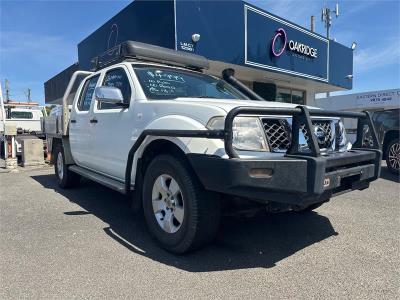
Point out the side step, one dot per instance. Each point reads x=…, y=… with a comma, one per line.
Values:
x=104, y=180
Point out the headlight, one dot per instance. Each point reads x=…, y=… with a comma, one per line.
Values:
x=342, y=143
x=248, y=134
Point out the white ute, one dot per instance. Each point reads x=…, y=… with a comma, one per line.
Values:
x=185, y=146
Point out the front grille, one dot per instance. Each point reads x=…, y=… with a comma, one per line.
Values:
x=278, y=133
x=323, y=131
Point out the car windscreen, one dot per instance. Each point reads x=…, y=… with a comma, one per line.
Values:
x=165, y=83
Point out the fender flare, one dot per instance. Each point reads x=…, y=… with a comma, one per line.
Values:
x=168, y=132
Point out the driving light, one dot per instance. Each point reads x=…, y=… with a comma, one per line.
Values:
x=248, y=134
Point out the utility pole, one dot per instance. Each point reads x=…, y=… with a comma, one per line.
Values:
x=312, y=26
x=326, y=18
x=7, y=87
x=29, y=95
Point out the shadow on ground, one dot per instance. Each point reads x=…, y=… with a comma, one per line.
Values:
x=385, y=174
x=241, y=243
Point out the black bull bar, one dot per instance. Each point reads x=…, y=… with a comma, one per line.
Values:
x=301, y=115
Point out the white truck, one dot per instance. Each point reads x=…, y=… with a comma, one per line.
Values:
x=26, y=118
x=184, y=146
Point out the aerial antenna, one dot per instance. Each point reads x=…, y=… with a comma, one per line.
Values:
x=326, y=18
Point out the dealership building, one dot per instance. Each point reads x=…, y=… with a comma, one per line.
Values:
x=278, y=59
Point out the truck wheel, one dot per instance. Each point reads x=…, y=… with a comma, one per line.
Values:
x=65, y=178
x=180, y=215
x=393, y=156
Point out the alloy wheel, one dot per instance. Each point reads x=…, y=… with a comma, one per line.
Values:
x=168, y=203
x=60, y=166
x=394, y=156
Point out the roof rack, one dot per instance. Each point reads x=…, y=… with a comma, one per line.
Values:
x=147, y=52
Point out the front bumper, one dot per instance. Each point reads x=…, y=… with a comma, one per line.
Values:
x=292, y=179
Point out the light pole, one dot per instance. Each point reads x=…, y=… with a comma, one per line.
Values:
x=327, y=19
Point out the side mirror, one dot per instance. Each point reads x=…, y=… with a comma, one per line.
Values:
x=110, y=94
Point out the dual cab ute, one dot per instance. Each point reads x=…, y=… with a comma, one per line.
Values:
x=149, y=123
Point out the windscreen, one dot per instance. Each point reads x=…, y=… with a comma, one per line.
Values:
x=164, y=83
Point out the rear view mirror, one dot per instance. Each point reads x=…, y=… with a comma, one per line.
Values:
x=110, y=94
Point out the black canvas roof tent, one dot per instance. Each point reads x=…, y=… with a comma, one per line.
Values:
x=152, y=53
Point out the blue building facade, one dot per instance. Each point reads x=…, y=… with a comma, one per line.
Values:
x=279, y=59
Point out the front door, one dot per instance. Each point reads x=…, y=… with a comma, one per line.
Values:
x=113, y=125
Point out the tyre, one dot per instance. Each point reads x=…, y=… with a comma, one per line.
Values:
x=180, y=215
x=65, y=178
x=393, y=156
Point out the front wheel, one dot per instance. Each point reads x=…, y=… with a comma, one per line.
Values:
x=65, y=178
x=393, y=156
x=179, y=213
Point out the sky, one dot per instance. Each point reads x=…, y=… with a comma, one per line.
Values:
x=38, y=39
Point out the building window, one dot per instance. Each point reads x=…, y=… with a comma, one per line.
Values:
x=290, y=96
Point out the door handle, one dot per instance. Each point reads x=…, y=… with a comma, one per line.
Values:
x=93, y=121
x=73, y=121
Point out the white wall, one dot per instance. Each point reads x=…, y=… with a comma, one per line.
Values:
x=375, y=100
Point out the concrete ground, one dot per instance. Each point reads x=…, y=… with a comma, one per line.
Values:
x=84, y=243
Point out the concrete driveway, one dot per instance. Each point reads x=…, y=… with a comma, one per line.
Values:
x=85, y=243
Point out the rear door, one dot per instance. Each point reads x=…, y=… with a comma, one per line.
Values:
x=113, y=125
x=79, y=127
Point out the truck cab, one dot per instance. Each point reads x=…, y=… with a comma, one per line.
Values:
x=184, y=146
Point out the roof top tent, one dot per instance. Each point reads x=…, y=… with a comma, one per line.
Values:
x=271, y=55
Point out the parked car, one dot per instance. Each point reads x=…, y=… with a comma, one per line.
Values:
x=185, y=145
x=387, y=126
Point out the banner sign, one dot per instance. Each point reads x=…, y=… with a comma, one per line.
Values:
x=380, y=98
x=275, y=44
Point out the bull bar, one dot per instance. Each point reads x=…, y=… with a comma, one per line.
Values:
x=301, y=116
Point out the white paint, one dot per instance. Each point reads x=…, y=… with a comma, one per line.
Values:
x=104, y=146
x=28, y=125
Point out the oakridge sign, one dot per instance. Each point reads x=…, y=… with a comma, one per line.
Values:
x=292, y=45
x=302, y=49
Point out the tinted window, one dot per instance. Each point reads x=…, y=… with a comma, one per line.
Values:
x=160, y=83
x=290, y=96
x=87, y=93
x=21, y=115
x=117, y=78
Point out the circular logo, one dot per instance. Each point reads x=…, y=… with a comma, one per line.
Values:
x=280, y=36
x=320, y=134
